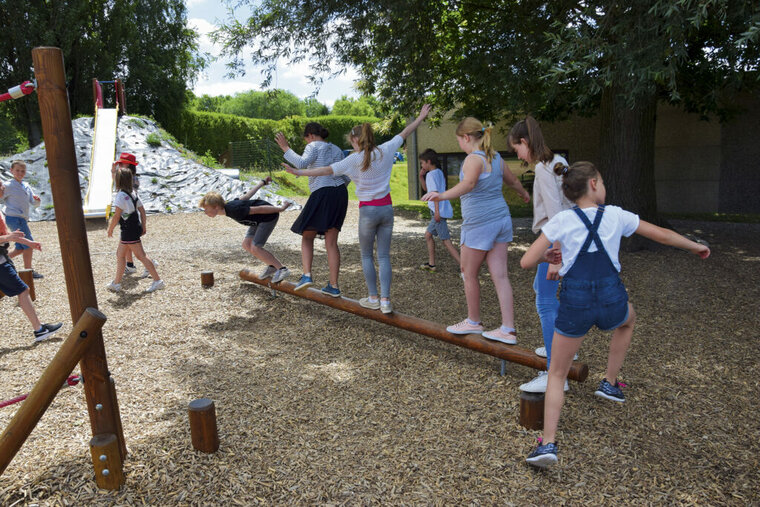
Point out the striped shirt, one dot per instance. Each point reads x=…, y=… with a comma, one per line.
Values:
x=318, y=154
x=375, y=182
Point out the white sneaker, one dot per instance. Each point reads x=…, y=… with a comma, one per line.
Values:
x=156, y=285
x=267, y=272
x=114, y=287
x=280, y=275
x=146, y=273
x=538, y=384
x=128, y=270
x=541, y=352
x=386, y=306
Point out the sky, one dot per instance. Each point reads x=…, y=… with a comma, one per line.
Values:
x=205, y=16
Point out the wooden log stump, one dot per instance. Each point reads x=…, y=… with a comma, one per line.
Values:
x=207, y=278
x=532, y=410
x=27, y=275
x=106, y=458
x=203, y=432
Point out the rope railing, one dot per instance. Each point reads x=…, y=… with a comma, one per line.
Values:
x=19, y=91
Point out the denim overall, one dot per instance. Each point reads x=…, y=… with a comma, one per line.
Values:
x=591, y=292
x=131, y=228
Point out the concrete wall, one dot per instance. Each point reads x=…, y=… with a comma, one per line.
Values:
x=700, y=166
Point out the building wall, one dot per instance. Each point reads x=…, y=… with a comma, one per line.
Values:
x=700, y=166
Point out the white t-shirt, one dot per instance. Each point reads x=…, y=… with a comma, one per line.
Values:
x=548, y=198
x=567, y=228
x=375, y=182
x=123, y=201
x=435, y=181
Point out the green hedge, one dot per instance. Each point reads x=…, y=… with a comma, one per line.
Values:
x=204, y=132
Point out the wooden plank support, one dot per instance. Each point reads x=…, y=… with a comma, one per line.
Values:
x=27, y=275
x=512, y=353
x=203, y=432
x=106, y=457
x=532, y=410
x=57, y=131
x=207, y=278
x=85, y=332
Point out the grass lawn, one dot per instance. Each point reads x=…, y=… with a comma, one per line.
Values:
x=292, y=186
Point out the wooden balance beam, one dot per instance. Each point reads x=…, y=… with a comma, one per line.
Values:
x=512, y=353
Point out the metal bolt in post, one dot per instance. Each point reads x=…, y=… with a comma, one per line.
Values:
x=98, y=407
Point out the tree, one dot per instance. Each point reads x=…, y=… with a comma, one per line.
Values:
x=499, y=60
x=144, y=42
x=315, y=108
x=363, y=106
x=272, y=105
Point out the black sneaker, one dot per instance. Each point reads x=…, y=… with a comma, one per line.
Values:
x=36, y=275
x=543, y=455
x=610, y=392
x=46, y=331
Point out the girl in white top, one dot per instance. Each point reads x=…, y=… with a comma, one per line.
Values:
x=592, y=293
x=369, y=167
x=527, y=140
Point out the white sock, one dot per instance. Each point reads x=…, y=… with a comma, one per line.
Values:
x=505, y=329
x=472, y=322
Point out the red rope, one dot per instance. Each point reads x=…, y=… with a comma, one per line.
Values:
x=19, y=91
x=70, y=381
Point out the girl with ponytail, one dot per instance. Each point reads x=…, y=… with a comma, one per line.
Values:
x=369, y=167
x=527, y=141
x=486, y=227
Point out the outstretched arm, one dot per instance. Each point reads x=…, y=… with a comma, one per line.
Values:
x=473, y=166
x=512, y=182
x=255, y=189
x=258, y=210
x=416, y=123
x=316, y=171
x=536, y=254
x=672, y=238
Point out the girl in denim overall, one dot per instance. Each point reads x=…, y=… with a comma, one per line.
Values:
x=591, y=292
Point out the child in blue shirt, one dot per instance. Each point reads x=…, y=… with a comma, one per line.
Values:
x=19, y=196
x=432, y=179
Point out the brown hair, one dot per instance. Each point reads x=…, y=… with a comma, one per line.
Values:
x=474, y=128
x=212, y=199
x=430, y=155
x=124, y=179
x=529, y=130
x=316, y=129
x=365, y=138
x=575, y=178
x=18, y=162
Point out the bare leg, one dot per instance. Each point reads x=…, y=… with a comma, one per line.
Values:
x=129, y=256
x=452, y=250
x=621, y=339
x=497, y=266
x=333, y=255
x=138, y=251
x=563, y=350
x=430, y=248
x=263, y=255
x=121, y=261
x=307, y=250
x=25, y=302
x=27, y=255
x=471, y=261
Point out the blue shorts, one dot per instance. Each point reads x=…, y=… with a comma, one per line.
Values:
x=484, y=236
x=19, y=224
x=440, y=229
x=586, y=303
x=10, y=283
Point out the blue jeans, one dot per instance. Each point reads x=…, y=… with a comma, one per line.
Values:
x=376, y=222
x=547, y=306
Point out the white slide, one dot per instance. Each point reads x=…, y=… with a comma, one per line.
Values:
x=99, y=190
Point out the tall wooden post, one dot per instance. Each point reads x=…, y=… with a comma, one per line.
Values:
x=64, y=182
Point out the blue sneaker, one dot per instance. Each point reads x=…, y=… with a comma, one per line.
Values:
x=304, y=283
x=543, y=455
x=331, y=291
x=610, y=392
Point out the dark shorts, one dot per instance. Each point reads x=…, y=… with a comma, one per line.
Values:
x=261, y=232
x=19, y=224
x=10, y=283
x=440, y=229
x=585, y=303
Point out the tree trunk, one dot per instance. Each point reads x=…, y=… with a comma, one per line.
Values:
x=627, y=154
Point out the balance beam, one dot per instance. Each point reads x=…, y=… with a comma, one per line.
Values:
x=512, y=353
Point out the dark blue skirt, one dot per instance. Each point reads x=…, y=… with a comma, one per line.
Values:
x=325, y=210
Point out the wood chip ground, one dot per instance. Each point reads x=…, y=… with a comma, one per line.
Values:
x=317, y=406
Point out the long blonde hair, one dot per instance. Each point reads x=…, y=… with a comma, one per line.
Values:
x=365, y=138
x=474, y=128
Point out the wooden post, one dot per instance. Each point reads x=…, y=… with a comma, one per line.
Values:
x=106, y=457
x=27, y=275
x=207, y=278
x=64, y=182
x=578, y=371
x=203, y=432
x=532, y=410
x=85, y=332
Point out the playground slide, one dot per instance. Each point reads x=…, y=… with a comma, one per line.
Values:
x=99, y=191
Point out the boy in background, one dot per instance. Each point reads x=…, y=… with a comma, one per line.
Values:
x=19, y=196
x=432, y=179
